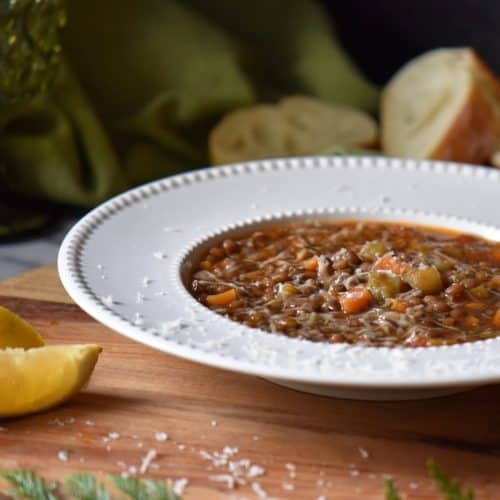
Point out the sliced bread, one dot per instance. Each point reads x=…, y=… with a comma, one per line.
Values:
x=295, y=126
x=445, y=104
x=495, y=158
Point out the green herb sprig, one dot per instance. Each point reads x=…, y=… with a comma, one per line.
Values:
x=390, y=489
x=30, y=485
x=84, y=486
x=451, y=488
x=145, y=489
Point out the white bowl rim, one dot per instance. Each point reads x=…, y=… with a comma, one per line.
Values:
x=73, y=278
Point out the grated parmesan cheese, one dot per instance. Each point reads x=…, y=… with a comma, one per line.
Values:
x=255, y=470
x=161, y=436
x=169, y=327
x=138, y=319
x=223, y=478
x=108, y=300
x=146, y=461
x=259, y=491
x=239, y=470
x=179, y=485
x=291, y=470
x=56, y=421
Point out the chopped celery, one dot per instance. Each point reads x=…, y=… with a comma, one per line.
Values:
x=489, y=334
x=443, y=264
x=426, y=278
x=383, y=285
x=372, y=249
x=480, y=292
x=457, y=277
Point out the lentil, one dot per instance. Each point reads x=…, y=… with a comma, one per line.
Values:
x=368, y=283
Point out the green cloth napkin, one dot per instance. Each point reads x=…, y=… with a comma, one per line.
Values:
x=143, y=82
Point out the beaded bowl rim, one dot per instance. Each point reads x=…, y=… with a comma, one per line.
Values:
x=74, y=280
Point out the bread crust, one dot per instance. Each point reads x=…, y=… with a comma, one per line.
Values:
x=472, y=137
x=495, y=158
x=473, y=133
x=486, y=75
x=294, y=126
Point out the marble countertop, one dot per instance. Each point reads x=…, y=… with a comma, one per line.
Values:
x=34, y=251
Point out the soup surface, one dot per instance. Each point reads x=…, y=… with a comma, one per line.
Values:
x=366, y=283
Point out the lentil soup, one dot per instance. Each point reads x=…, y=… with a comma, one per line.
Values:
x=367, y=283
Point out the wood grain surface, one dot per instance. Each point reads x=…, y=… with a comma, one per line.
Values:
x=339, y=449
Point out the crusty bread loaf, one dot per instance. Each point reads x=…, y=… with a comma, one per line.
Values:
x=296, y=125
x=495, y=158
x=444, y=104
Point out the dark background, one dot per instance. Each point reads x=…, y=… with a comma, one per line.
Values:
x=381, y=35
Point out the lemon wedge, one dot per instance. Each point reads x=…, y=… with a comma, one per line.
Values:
x=15, y=332
x=37, y=379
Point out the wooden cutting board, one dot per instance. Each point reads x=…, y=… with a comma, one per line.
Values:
x=336, y=448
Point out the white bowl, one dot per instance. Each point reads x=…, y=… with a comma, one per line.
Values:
x=126, y=263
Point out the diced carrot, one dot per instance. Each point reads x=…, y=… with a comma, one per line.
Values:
x=400, y=305
x=390, y=263
x=355, y=300
x=471, y=320
x=480, y=254
x=449, y=321
x=466, y=238
x=496, y=254
x=496, y=319
x=311, y=264
x=221, y=299
x=477, y=306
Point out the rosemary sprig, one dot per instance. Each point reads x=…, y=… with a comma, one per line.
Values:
x=30, y=485
x=145, y=489
x=130, y=486
x=84, y=486
x=451, y=488
x=158, y=490
x=390, y=490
